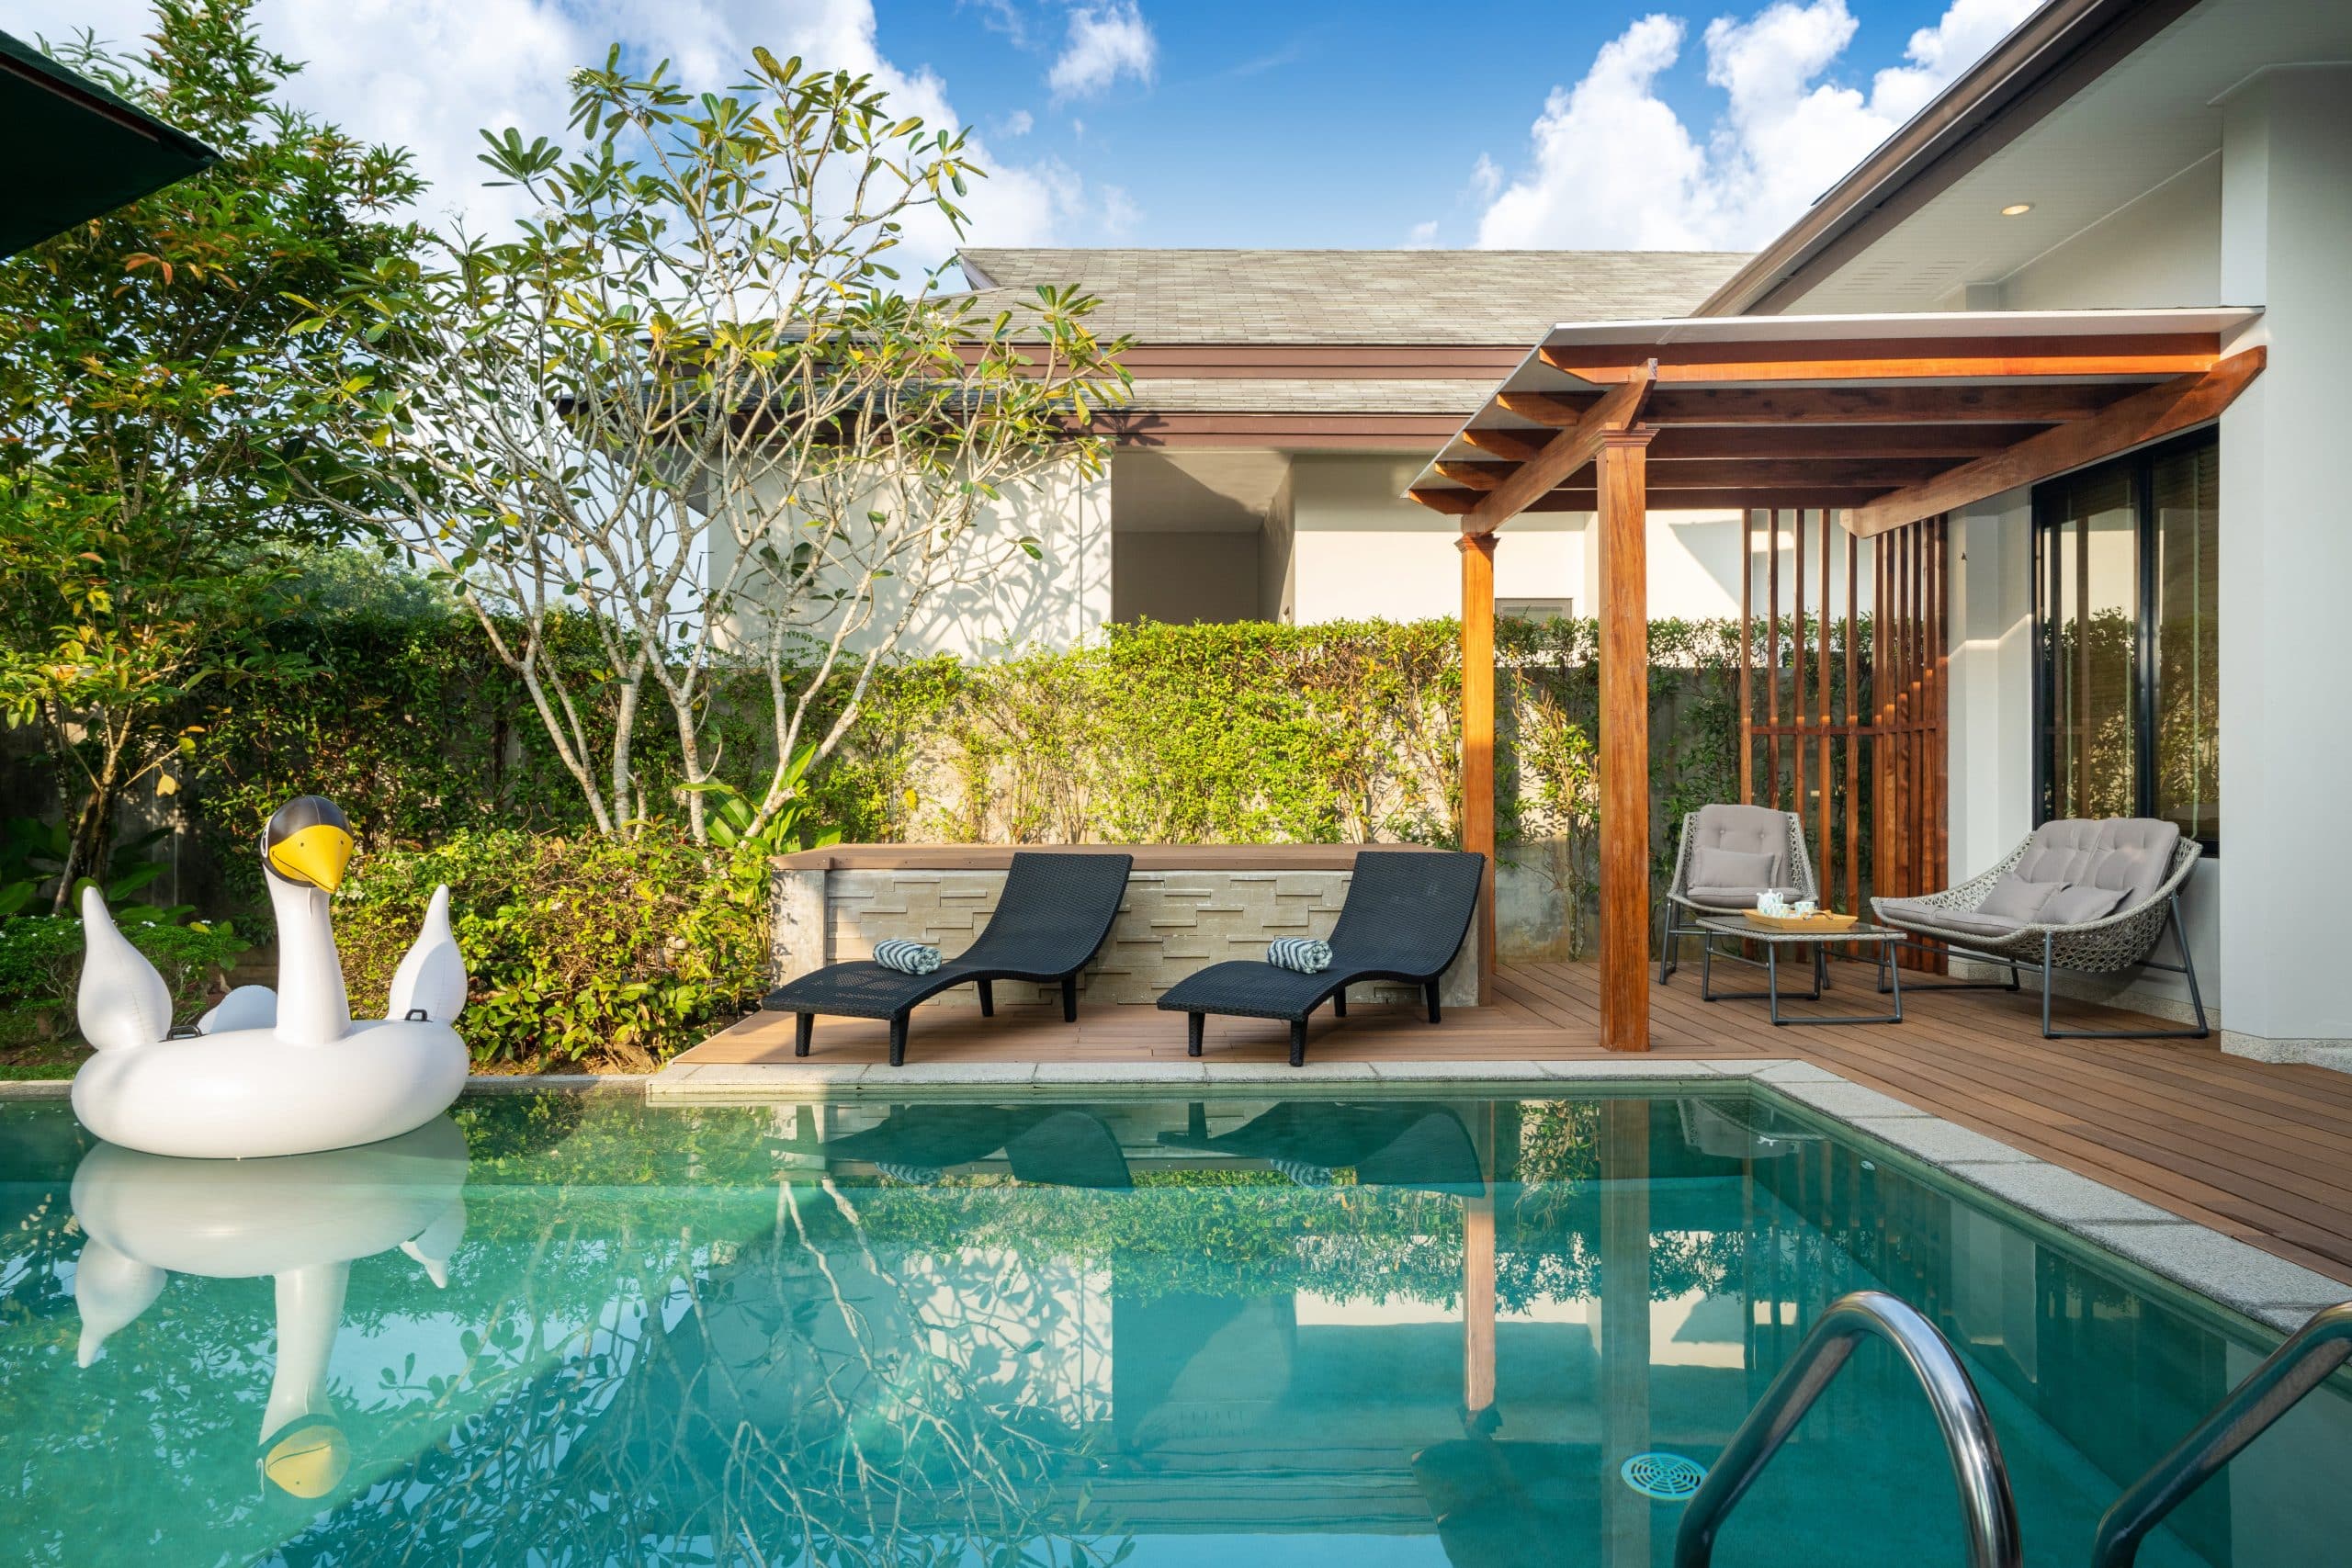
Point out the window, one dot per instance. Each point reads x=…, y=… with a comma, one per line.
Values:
x=2125, y=604
x=1536, y=609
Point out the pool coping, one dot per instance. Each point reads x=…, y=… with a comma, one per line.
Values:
x=2219, y=1268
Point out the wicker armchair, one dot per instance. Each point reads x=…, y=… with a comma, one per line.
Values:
x=1728, y=825
x=2126, y=939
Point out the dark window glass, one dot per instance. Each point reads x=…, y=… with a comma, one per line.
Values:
x=2125, y=603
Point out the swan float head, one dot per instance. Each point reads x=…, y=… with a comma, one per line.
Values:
x=308, y=842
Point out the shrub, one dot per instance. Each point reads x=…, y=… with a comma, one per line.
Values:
x=613, y=953
x=40, y=958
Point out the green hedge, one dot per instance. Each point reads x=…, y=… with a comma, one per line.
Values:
x=40, y=959
x=611, y=953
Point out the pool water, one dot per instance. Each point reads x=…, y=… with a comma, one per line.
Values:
x=577, y=1329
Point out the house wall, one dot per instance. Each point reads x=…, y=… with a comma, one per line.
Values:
x=1056, y=601
x=1361, y=550
x=2286, y=753
x=1186, y=577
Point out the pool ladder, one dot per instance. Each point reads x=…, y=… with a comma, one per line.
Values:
x=2296, y=1367
x=1990, y=1512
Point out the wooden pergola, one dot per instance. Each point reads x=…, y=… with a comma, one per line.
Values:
x=1891, y=421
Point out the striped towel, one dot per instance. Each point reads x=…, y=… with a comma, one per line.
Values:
x=906, y=957
x=1303, y=953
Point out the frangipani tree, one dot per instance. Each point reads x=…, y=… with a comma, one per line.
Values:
x=693, y=403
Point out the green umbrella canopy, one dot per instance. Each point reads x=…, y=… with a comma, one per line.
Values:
x=79, y=151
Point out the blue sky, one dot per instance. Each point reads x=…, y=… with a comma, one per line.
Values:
x=1213, y=122
x=1306, y=122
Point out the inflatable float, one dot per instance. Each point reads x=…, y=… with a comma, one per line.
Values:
x=283, y=1072
x=300, y=1221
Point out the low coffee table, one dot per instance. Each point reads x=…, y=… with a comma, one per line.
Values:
x=1776, y=938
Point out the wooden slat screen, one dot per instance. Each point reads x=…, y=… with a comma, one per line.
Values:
x=1858, y=727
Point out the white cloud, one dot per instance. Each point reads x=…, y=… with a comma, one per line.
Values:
x=426, y=73
x=1107, y=42
x=1120, y=213
x=1020, y=122
x=1613, y=165
x=1422, y=237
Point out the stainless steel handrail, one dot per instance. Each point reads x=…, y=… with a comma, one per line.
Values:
x=2247, y=1411
x=1987, y=1507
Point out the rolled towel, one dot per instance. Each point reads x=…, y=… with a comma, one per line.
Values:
x=1303, y=953
x=906, y=957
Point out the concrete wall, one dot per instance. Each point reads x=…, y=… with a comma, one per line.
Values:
x=1058, y=601
x=2286, y=752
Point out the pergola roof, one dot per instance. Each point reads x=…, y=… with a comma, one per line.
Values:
x=80, y=149
x=1894, y=417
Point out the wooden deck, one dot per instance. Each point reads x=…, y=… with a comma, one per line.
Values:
x=2256, y=1151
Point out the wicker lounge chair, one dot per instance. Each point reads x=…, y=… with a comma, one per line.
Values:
x=1731, y=855
x=1406, y=914
x=2031, y=909
x=1055, y=911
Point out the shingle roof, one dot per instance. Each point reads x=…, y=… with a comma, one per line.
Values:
x=1175, y=394
x=1484, y=297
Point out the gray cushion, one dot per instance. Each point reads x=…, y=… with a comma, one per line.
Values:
x=1750, y=830
x=2075, y=905
x=1734, y=898
x=1715, y=867
x=2014, y=898
x=1919, y=912
x=2130, y=855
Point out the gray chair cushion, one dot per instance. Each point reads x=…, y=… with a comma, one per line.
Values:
x=1733, y=899
x=1919, y=911
x=1749, y=829
x=2078, y=906
x=2130, y=855
x=1712, y=867
x=2011, y=898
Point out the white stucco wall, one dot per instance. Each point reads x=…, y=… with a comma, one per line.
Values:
x=1058, y=601
x=1360, y=549
x=2286, y=752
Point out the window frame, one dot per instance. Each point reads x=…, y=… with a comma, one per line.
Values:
x=2140, y=465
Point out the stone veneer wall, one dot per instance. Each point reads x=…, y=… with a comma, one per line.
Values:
x=1169, y=924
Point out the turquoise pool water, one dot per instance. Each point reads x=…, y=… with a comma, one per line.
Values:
x=557, y=1329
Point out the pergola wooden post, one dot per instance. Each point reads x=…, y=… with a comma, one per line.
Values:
x=1478, y=733
x=1624, y=522
x=1897, y=422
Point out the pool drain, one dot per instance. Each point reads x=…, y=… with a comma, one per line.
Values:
x=1669, y=1478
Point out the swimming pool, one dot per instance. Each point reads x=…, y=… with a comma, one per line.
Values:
x=561, y=1328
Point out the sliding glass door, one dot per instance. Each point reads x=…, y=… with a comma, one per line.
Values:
x=2125, y=610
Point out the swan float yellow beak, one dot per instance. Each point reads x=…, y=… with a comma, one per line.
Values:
x=309, y=842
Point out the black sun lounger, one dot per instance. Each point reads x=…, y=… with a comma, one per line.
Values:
x=1055, y=911
x=1406, y=914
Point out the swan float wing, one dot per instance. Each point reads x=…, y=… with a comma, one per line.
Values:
x=432, y=977
x=247, y=1007
x=121, y=1000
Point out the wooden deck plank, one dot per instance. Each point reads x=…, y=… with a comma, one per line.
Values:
x=2253, y=1149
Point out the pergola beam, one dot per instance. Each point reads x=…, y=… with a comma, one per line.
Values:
x=1915, y=360
x=2135, y=420
x=1560, y=458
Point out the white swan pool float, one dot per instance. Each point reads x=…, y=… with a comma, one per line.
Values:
x=302, y=1221
x=272, y=1073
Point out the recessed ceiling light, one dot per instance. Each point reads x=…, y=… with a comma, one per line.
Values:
x=2017, y=210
